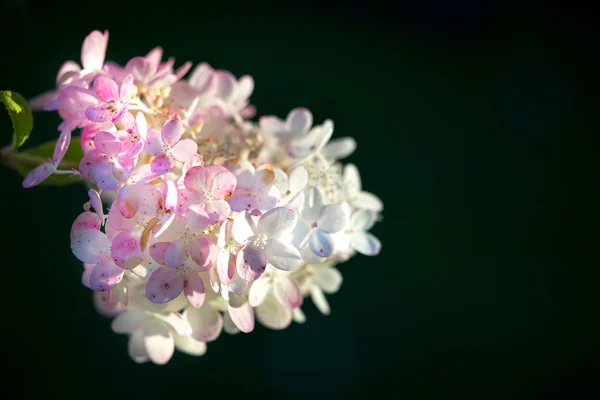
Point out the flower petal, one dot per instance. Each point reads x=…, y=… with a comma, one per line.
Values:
x=277, y=222
x=223, y=183
x=142, y=174
x=193, y=289
x=317, y=296
x=273, y=315
x=106, y=89
x=313, y=204
x=184, y=149
x=174, y=231
x=228, y=325
x=107, y=142
x=217, y=210
x=300, y=234
x=352, y=183
x=237, y=284
x=93, y=50
x=264, y=176
x=251, y=263
x=101, y=112
x=225, y=267
x=154, y=143
x=224, y=84
x=75, y=100
x=162, y=164
x=241, y=200
x=339, y=148
x=266, y=199
x=62, y=145
x=297, y=180
x=96, y=203
x=85, y=220
x=105, y=276
x=201, y=77
x=189, y=345
x=201, y=251
x=164, y=285
x=104, y=177
x=282, y=255
x=136, y=349
x=302, y=148
x=298, y=316
x=89, y=132
x=242, y=317
x=206, y=322
x=332, y=219
x=367, y=201
x=243, y=227
x=365, y=243
x=37, y=175
x=328, y=279
x=273, y=126
x=298, y=121
x=159, y=343
x=175, y=255
x=321, y=243
x=126, y=89
x=172, y=131
x=363, y=220
x=287, y=292
x=130, y=321
x=258, y=291
x=90, y=246
x=126, y=251
x=139, y=198
x=176, y=322
x=141, y=125
x=213, y=277
x=197, y=218
x=145, y=269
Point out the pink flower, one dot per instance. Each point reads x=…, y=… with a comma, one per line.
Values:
x=167, y=146
x=73, y=101
x=166, y=283
x=114, y=99
x=112, y=160
x=43, y=171
x=255, y=189
x=70, y=73
x=92, y=246
x=152, y=73
x=211, y=186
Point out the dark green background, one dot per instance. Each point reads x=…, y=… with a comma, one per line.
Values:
x=475, y=123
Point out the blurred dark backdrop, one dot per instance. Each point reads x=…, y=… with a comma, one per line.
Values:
x=476, y=123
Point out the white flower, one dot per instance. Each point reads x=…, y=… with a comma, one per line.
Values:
x=354, y=194
x=321, y=279
x=317, y=223
x=153, y=337
x=265, y=242
x=355, y=235
x=275, y=295
x=290, y=186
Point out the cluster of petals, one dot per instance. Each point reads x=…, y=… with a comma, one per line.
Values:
x=199, y=220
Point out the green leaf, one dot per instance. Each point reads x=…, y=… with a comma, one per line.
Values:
x=28, y=159
x=20, y=114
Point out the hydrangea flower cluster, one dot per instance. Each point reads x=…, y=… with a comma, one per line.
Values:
x=212, y=221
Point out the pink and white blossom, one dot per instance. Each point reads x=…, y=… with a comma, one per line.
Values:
x=197, y=219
